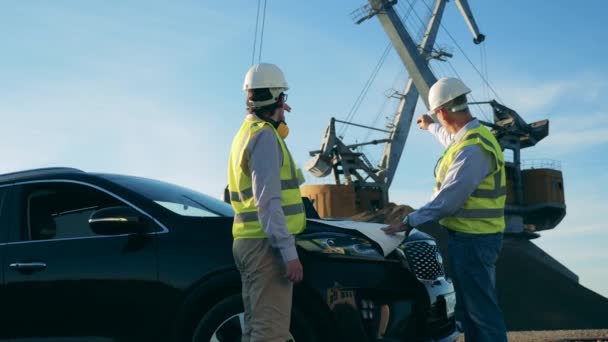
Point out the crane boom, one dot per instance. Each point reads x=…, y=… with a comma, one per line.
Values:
x=351, y=167
x=403, y=43
x=407, y=103
x=464, y=8
x=362, y=187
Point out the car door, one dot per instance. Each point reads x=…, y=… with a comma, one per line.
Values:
x=3, y=239
x=62, y=279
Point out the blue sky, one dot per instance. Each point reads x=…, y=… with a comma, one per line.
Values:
x=153, y=88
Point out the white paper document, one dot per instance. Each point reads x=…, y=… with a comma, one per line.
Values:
x=388, y=243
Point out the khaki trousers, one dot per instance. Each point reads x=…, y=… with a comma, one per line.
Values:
x=267, y=293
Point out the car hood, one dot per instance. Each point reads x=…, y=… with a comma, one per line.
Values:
x=368, y=231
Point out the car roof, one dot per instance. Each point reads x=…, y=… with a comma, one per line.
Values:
x=35, y=174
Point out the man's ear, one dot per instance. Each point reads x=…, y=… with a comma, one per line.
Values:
x=443, y=114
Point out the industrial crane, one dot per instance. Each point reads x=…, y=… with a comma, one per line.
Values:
x=360, y=186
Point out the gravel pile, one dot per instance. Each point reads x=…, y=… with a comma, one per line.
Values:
x=557, y=335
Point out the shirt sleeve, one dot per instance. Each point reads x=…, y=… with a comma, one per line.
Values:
x=265, y=160
x=441, y=134
x=471, y=165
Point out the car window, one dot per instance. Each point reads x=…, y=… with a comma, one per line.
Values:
x=180, y=200
x=186, y=210
x=60, y=210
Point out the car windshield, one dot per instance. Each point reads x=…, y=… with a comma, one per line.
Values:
x=178, y=199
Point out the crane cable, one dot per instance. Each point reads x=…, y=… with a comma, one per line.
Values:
x=454, y=69
x=408, y=26
x=359, y=100
x=262, y=34
x=484, y=66
x=419, y=35
x=382, y=107
x=366, y=86
x=255, y=38
x=467, y=58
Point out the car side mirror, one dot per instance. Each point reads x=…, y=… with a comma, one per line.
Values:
x=119, y=220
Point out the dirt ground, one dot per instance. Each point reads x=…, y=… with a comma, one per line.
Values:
x=556, y=335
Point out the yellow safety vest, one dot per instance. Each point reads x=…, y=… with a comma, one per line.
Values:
x=483, y=211
x=246, y=223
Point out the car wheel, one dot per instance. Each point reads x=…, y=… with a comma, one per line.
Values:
x=225, y=323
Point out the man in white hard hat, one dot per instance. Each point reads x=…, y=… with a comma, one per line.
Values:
x=264, y=192
x=469, y=200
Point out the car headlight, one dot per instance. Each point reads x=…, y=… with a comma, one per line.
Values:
x=340, y=245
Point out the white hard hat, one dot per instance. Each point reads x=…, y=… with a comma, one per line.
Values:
x=264, y=75
x=445, y=90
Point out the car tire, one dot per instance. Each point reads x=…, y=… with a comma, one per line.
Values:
x=222, y=323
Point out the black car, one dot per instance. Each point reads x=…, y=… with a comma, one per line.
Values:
x=100, y=257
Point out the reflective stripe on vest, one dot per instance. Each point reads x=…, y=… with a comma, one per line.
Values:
x=246, y=220
x=253, y=215
x=248, y=193
x=479, y=213
x=483, y=211
x=497, y=192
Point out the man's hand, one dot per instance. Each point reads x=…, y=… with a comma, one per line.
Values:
x=396, y=228
x=295, y=273
x=424, y=121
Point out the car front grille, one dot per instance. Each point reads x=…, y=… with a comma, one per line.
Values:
x=424, y=259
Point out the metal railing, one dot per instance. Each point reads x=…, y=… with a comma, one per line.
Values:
x=541, y=164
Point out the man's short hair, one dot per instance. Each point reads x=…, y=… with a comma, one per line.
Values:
x=458, y=104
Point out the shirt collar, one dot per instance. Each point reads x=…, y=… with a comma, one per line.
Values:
x=458, y=136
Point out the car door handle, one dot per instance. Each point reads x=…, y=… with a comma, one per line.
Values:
x=27, y=266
